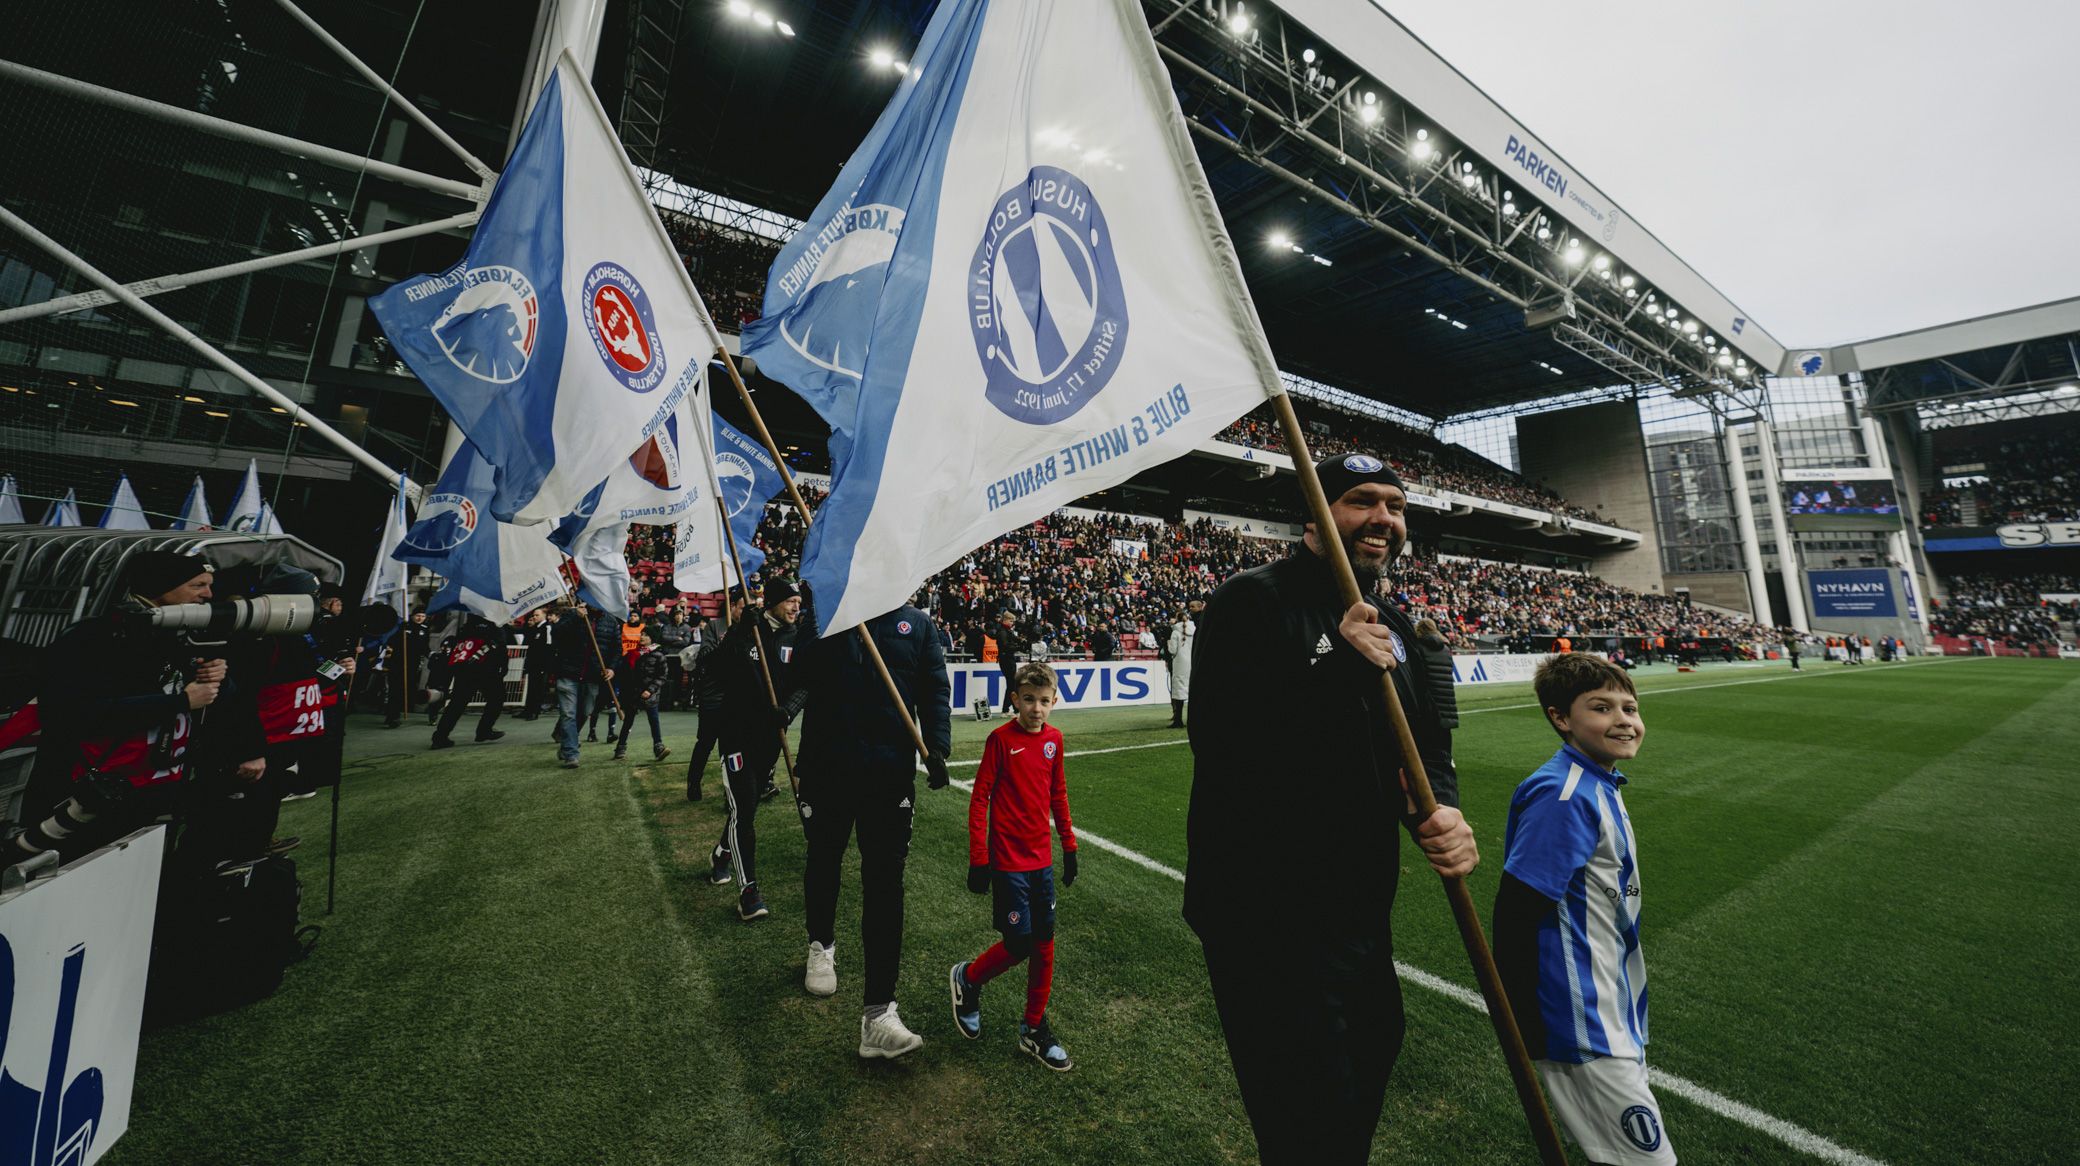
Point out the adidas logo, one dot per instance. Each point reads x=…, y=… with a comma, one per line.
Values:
x=1321, y=646
x=904, y=804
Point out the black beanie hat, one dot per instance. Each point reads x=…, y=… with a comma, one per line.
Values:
x=1340, y=472
x=780, y=592
x=154, y=573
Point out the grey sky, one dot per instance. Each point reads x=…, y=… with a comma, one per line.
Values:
x=1842, y=169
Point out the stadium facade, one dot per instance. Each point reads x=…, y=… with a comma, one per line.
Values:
x=1421, y=260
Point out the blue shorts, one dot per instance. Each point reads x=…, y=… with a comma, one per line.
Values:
x=1022, y=903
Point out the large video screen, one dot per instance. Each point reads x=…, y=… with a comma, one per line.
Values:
x=1841, y=503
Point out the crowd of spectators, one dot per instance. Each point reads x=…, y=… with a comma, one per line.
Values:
x=2031, y=477
x=729, y=267
x=1419, y=458
x=2009, y=609
x=1112, y=584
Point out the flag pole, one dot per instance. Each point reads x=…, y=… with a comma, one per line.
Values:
x=765, y=437
x=1533, y=1101
x=764, y=669
x=613, y=693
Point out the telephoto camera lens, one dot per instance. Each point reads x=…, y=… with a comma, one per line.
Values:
x=262, y=615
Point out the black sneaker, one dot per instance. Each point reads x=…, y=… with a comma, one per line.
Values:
x=659, y=750
x=769, y=793
x=1039, y=1040
x=569, y=763
x=442, y=743
x=620, y=754
x=592, y=737
x=967, y=1002
x=493, y=735
x=750, y=904
x=720, y=872
x=693, y=789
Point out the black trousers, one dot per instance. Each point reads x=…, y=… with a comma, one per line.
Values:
x=465, y=686
x=1009, y=667
x=704, y=742
x=879, y=804
x=1313, y=1024
x=746, y=768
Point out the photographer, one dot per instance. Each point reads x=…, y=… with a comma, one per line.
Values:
x=121, y=707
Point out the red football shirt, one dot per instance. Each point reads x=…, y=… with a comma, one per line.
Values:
x=1020, y=783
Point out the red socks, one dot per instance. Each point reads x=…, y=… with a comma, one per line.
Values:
x=990, y=964
x=1039, y=974
x=1039, y=981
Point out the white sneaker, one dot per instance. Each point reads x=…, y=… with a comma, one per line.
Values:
x=822, y=977
x=887, y=1036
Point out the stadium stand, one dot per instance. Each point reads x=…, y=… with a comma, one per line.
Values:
x=2031, y=476
x=2010, y=610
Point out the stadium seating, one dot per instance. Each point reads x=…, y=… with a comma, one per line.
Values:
x=2010, y=610
x=2030, y=477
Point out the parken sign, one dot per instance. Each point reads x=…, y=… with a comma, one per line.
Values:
x=2022, y=535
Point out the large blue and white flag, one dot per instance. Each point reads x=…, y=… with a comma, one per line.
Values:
x=63, y=512
x=124, y=511
x=194, y=509
x=657, y=486
x=566, y=335
x=11, y=502
x=746, y=478
x=248, y=509
x=1018, y=292
x=496, y=569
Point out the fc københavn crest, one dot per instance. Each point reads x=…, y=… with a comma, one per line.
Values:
x=489, y=329
x=1044, y=299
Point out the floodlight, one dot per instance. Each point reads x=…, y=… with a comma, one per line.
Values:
x=1509, y=210
x=785, y=28
x=1625, y=281
x=1280, y=241
x=882, y=58
x=1544, y=234
x=1726, y=360
x=1368, y=114
x=739, y=8
x=1422, y=135
x=1370, y=97
x=761, y=19
x=1307, y=56
x=1573, y=256
x=900, y=66
x=1603, y=263
x=1421, y=151
x=1690, y=327
x=1239, y=24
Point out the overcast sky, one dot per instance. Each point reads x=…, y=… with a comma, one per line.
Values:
x=1841, y=169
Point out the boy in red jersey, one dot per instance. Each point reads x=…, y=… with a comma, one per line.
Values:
x=1020, y=783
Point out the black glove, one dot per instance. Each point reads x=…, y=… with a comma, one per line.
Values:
x=1068, y=868
x=935, y=771
x=978, y=879
x=780, y=720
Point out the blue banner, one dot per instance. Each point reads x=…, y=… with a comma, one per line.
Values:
x=1862, y=593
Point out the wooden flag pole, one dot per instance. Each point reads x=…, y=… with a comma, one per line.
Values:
x=1529, y=1096
x=765, y=669
x=866, y=642
x=599, y=654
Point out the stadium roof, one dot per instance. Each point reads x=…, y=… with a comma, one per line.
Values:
x=1379, y=262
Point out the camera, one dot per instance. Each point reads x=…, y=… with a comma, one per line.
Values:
x=261, y=615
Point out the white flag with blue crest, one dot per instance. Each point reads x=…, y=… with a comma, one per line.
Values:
x=1019, y=292
x=566, y=335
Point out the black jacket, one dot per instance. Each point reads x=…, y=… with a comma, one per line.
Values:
x=579, y=647
x=652, y=669
x=1296, y=767
x=746, y=703
x=851, y=722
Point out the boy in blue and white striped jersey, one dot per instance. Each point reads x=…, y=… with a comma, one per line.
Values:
x=1567, y=917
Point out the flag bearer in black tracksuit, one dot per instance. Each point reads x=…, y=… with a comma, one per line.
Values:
x=1302, y=965
x=751, y=730
x=858, y=766
x=707, y=692
x=476, y=671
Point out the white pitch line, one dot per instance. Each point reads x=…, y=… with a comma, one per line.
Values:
x=1793, y=1135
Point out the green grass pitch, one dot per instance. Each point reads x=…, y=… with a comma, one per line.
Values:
x=1859, y=920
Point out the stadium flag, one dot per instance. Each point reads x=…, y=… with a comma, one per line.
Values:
x=63, y=512
x=11, y=502
x=387, y=577
x=244, y=515
x=746, y=478
x=124, y=511
x=1018, y=292
x=496, y=569
x=194, y=509
x=563, y=339
x=269, y=522
x=656, y=486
